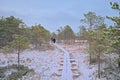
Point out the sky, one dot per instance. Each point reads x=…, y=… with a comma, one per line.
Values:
x=53, y=14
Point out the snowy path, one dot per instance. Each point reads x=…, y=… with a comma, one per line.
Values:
x=66, y=73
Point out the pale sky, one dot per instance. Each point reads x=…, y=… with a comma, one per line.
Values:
x=53, y=14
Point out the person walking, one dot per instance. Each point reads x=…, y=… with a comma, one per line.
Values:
x=54, y=40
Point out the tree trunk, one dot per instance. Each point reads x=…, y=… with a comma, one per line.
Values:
x=90, y=53
x=90, y=58
x=99, y=64
x=18, y=59
x=119, y=64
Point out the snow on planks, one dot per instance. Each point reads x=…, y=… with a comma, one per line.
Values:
x=69, y=69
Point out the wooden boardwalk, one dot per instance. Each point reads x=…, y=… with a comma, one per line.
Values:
x=69, y=69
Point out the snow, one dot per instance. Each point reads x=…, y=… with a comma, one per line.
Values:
x=88, y=72
x=47, y=62
x=66, y=65
x=43, y=62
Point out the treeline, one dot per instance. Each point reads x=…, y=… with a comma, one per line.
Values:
x=12, y=28
x=16, y=36
x=65, y=35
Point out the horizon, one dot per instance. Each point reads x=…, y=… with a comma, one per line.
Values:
x=55, y=14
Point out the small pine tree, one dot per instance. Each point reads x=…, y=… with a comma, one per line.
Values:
x=19, y=44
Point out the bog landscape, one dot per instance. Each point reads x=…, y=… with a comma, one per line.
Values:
x=39, y=52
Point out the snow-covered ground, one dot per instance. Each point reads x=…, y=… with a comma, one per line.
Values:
x=88, y=72
x=42, y=62
x=46, y=63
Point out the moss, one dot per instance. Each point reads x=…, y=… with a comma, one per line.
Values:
x=15, y=75
x=2, y=70
x=22, y=72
